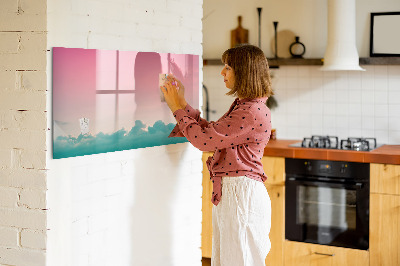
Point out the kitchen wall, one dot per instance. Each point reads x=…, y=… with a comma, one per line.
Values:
x=136, y=207
x=343, y=103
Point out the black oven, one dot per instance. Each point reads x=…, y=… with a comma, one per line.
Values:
x=327, y=202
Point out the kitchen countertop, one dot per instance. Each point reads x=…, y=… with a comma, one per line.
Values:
x=389, y=154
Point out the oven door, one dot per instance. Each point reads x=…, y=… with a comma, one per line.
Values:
x=327, y=213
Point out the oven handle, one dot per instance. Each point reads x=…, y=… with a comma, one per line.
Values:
x=357, y=185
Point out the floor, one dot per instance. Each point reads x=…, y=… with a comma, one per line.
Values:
x=206, y=261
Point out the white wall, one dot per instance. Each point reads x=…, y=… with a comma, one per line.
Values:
x=305, y=18
x=23, y=133
x=311, y=102
x=136, y=207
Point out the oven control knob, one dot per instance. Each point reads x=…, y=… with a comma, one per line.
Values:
x=308, y=166
x=343, y=168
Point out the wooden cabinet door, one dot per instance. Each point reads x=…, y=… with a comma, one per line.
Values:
x=277, y=233
x=274, y=168
x=384, y=236
x=385, y=178
x=206, y=226
x=305, y=254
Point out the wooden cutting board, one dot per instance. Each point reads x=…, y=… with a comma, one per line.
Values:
x=239, y=35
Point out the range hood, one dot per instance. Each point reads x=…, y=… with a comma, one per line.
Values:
x=341, y=51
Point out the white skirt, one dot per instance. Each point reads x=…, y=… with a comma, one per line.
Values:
x=241, y=223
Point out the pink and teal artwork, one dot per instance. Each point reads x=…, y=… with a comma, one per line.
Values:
x=106, y=101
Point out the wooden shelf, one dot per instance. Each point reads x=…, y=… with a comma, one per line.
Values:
x=273, y=63
x=380, y=61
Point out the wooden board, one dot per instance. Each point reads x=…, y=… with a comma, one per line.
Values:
x=277, y=233
x=385, y=178
x=384, y=236
x=305, y=254
x=206, y=232
x=274, y=168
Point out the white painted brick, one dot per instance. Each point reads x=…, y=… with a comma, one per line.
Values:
x=196, y=10
x=166, y=47
x=80, y=227
x=33, y=199
x=33, y=159
x=31, y=55
x=16, y=158
x=79, y=176
x=5, y=158
x=8, y=6
x=26, y=119
x=22, y=218
x=179, y=7
x=153, y=32
x=9, y=237
x=36, y=7
x=17, y=256
x=33, y=239
x=149, y=6
x=23, y=100
x=96, y=173
x=114, y=186
x=31, y=80
x=189, y=47
x=197, y=166
x=191, y=22
x=23, y=15
x=98, y=222
x=105, y=10
x=23, y=178
x=168, y=19
x=35, y=140
x=108, y=42
x=8, y=197
x=9, y=42
x=8, y=80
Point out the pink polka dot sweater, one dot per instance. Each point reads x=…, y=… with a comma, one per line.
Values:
x=238, y=139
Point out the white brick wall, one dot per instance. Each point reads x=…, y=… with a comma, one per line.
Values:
x=136, y=207
x=23, y=218
x=100, y=206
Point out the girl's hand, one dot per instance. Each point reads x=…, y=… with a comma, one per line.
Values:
x=171, y=95
x=181, y=90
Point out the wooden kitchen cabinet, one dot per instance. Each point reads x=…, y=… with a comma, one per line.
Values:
x=277, y=233
x=206, y=225
x=384, y=236
x=274, y=168
x=305, y=254
x=385, y=178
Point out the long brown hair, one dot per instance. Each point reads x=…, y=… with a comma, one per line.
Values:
x=250, y=66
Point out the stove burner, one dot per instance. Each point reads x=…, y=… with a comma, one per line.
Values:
x=358, y=144
x=328, y=142
x=332, y=142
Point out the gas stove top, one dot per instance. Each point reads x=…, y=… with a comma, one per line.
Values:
x=332, y=142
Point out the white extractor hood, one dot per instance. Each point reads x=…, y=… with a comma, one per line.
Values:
x=341, y=51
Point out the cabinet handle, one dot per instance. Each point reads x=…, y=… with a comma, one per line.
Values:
x=325, y=254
